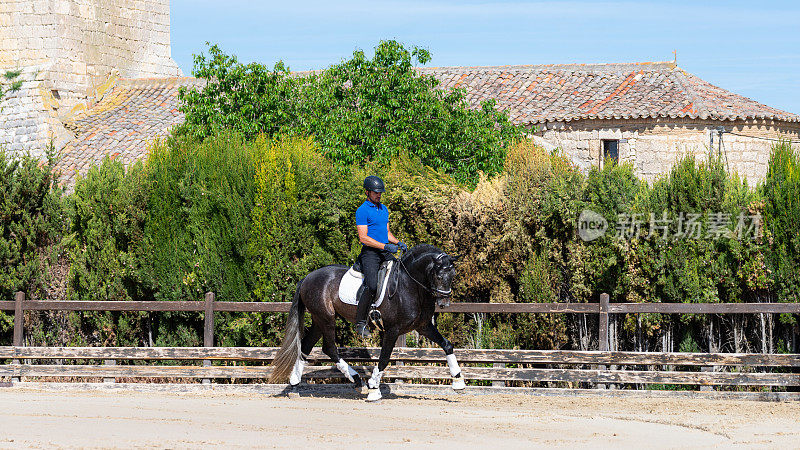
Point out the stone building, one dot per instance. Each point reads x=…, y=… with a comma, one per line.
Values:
x=648, y=114
x=98, y=80
x=71, y=53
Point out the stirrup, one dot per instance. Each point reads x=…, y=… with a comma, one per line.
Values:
x=362, y=329
x=375, y=318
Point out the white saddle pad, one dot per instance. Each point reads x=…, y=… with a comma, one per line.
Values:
x=352, y=280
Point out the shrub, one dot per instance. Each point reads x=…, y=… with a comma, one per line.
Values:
x=610, y=191
x=198, y=218
x=31, y=222
x=107, y=216
x=31, y=218
x=544, y=198
x=419, y=199
x=781, y=191
x=301, y=219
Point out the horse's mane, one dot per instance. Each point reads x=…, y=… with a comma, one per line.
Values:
x=418, y=250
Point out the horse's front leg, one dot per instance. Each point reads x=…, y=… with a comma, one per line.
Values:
x=387, y=346
x=431, y=332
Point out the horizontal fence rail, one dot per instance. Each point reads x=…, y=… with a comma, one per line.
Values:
x=601, y=367
x=514, y=308
x=414, y=372
x=406, y=354
x=409, y=356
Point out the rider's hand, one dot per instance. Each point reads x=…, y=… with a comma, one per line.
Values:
x=402, y=246
x=391, y=248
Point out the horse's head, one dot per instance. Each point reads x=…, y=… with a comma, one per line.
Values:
x=440, y=275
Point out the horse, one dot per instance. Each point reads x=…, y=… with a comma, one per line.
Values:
x=422, y=281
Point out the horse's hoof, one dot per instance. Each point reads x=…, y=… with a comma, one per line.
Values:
x=459, y=384
x=293, y=392
x=374, y=395
x=358, y=385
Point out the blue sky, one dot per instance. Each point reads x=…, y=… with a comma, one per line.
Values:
x=747, y=47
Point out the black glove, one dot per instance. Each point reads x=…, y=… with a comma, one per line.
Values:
x=391, y=248
x=402, y=246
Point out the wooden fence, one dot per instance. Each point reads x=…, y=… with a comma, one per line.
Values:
x=599, y=367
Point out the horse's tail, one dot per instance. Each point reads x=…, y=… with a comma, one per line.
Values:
x=290, y=348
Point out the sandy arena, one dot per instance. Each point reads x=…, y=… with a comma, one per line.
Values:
x=46, y=418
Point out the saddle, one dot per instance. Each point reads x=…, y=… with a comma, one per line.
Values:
x=353, y=279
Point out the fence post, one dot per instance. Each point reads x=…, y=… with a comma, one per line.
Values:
x=19, y=297
x=498, y=383
x=602, y=335
x=208, y=329
x=109, y=362
x=400, y=342
x=19, y=323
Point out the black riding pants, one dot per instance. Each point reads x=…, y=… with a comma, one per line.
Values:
x=371, y=259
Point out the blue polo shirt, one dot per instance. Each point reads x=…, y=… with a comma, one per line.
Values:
x=376, y=218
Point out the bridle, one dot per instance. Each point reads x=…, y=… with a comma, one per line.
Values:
x=434, y=291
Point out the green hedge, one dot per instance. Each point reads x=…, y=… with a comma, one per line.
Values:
x=248, y=219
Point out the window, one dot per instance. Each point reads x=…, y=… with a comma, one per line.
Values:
x=610, y=152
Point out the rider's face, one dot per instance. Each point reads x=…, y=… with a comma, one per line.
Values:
x=374, y=197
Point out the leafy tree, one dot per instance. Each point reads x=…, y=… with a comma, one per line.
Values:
x=247, y=98
x=359, y=110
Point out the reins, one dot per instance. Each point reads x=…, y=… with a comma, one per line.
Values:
x=434, y=291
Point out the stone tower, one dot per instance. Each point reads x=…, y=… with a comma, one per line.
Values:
x=70, y=52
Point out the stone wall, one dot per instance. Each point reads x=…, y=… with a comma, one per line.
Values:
x=654, y=145
x=24, y=118
x=73, y=49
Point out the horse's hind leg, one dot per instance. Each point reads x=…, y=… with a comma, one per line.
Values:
x=330, y=349
x=431, y=332
x=310, y=337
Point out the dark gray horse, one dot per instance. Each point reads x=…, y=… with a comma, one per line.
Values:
x=420, y=280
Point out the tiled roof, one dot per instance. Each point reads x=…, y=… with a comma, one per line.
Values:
x=542, y=93
x=122, y=124
x=137, y=111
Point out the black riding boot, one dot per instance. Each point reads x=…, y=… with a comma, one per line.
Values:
x=364, y=301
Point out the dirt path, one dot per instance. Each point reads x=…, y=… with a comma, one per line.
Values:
x=40, y=418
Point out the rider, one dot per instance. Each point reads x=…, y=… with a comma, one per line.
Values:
x=378, y=244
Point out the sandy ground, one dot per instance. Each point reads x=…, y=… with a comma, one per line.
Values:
x=47, y=419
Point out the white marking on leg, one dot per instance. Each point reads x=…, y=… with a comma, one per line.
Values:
x=346, y=370
x=374, y=384
x=375, y=379
x=297, y=372
x=455, y=372
x=453, y=365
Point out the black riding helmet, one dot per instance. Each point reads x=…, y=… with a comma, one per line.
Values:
x=374, y=184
